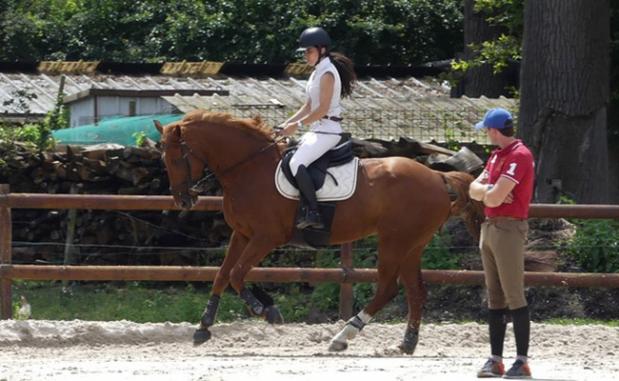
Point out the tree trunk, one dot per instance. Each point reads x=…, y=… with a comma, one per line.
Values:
x=480, y=81
x=564, y=90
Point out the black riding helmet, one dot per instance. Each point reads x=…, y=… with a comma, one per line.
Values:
x=314, y=36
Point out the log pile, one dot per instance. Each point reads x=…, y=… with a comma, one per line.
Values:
x=105, y=168
x=102, y=169
x=115, y=169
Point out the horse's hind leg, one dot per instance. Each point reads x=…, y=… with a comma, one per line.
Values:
x=235, y=249
x=387, y=289
x=410, y=276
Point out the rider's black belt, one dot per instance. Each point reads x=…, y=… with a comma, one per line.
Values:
x=333, y=118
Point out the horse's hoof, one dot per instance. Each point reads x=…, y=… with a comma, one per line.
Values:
x=201, y=335
x=337, y=346
x=407, y=348
x=409, y=343
x=273, y=316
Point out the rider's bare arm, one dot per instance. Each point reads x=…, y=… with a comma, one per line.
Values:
x=300, y=114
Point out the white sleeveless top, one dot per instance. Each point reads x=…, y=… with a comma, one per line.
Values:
x=312, y=91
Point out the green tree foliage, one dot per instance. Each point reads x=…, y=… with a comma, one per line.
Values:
x=18, y=37
x=508, y=15
x=595, y=246
x=258, y=31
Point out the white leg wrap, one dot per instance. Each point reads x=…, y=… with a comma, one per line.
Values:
x=350, y=331
x=365, y=318
x=346, y=334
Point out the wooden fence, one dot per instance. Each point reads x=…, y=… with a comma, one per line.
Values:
x=346, y=275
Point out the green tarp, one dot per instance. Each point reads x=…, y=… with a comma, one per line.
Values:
x=121, y=130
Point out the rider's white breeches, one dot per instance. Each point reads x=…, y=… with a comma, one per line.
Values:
x=312, y=147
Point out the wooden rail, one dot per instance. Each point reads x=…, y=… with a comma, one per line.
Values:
x=345, y=276
x=286, y=275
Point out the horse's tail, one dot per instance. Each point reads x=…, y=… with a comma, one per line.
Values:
x=471, y=211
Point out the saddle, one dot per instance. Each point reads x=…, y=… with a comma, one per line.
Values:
x=338, y=163
x=318, y=170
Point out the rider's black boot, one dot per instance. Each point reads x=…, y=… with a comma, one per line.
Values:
x=311, y=217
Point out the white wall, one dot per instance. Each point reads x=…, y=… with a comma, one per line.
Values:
x=83, y=110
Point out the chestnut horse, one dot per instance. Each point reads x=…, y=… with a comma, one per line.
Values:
x=399, y=199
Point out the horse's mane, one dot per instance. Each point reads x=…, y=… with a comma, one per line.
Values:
x=255, y=126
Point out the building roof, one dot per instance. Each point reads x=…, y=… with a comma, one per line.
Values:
x=140, y=93
x=379, y=107
x=35, y=94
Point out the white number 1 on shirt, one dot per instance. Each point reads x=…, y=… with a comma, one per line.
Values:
x=512, y=169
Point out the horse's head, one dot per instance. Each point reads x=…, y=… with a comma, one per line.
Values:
x=184, y=167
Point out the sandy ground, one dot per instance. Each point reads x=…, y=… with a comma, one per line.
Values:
x=253, y=350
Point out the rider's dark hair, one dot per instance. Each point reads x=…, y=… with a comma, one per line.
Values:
x=346, y=70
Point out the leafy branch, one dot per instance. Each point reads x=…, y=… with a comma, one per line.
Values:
x=507, y=47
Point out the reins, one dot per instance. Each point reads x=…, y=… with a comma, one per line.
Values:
x=198, y=186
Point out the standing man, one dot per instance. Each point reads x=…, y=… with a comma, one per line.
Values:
x=505, y=187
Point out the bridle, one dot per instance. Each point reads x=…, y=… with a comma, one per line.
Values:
x=194, y=187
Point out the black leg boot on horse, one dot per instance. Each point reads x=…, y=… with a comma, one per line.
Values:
x=202, y=334
x=310, y=216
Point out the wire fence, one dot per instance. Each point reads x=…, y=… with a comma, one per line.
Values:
x=327, y=267
x=213, y=255
x=425, y=125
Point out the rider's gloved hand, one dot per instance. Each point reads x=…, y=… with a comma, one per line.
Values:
x=277, y=130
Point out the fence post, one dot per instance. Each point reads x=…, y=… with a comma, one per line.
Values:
x=6, y=306
x=346, y=294
x=69, y=248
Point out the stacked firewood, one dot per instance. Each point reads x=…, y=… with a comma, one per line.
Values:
x=106, y=168
x=117, y=237
x=115, y=169
x=41, y=235
x=85, y=236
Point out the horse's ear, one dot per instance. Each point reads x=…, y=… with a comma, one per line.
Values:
x=158, y=126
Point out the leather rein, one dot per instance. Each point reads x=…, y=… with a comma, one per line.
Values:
x=197, y=187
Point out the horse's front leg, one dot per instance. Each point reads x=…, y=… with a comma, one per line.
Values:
x=271, y=312
x=238, y=242
x=255, y=251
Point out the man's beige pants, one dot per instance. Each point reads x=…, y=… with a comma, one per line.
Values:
x=502, y=252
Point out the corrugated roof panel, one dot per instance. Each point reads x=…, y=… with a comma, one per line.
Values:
x=378, y=108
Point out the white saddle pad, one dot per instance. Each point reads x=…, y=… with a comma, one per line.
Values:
x=346, y=176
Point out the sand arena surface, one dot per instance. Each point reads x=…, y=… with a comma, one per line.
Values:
x=253, y=350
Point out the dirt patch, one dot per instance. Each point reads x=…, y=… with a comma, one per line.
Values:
x=125, y=350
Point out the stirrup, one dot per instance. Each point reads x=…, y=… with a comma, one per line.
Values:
x=306, y=221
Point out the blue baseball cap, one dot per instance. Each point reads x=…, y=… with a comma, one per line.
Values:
x=498, y=118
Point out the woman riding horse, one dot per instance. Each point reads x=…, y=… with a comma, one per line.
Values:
x=331, y=79
x=398, y=199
